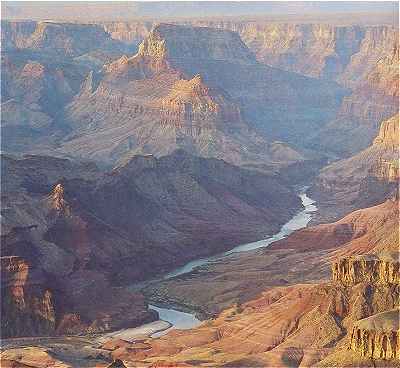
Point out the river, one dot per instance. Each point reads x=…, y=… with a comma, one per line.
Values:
x=181, y=320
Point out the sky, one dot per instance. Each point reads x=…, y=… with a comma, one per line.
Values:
x=69, y=10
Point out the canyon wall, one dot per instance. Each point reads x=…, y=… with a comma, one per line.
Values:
x=362, y=180
x=377, y=337
x=362, y=59
x=63, y=39
x=344, y=53
x=27, y=301
x=178, y=92
x=368, y=268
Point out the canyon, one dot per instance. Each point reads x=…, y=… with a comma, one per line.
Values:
x=155, y=212
x=239, y=174
x=311, y=319
x=363, y=59
x=178, y=92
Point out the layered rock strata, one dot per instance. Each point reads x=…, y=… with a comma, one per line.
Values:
x=27, y=301
x=178, y=92
x=368, y=268
x=362, y=180
x=64, y=39
x=378, y=336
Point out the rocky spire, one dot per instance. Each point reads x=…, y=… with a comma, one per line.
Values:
x=57, y=201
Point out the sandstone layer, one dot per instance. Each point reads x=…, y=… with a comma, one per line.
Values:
x=362, y=58
x=27, y=300
x=368, y=268
x=302, y=325
x=373, y=99
x=66, y=39
x=377, y=337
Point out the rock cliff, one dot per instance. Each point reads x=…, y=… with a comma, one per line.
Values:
x=368, y=268
x=66, y=39
x=377, y=337
x=372, y=231
x=388, y=135
x=177, y=42
x=351, y=320
x=374, y=98
x=342, y=52
x=362, y=180
x=360, y=57
x=27, y=301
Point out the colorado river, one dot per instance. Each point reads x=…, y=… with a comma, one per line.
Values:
x=181, y=320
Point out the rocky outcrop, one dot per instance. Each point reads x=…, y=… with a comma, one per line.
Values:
x=377, y=337
x=367, y=268
x=27, y=301
x=362, y=180
x=79, y=213
x=131, y=33
x=51, y=291
x=387, y=171
x=344, y=322
x=388, y=135
x=375, y=98
x=34, y=92
x=56, y=200
x=364, y=58
x=177, y=42
x=371, y=230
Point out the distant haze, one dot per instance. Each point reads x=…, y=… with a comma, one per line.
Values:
x=64, y=10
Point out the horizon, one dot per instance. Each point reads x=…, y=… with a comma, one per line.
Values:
x=307, y=11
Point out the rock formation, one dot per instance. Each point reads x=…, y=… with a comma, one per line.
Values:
x=291, y=318
x=167, y=41
x=373, y=99
x=178, y=92
x=27, y=301
x=342, y=52
x=213, y=90
x=372, y=231
x=364, y=179
x=377, y=337
x=362, y=58
x=367, y=268
x=64, y=39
